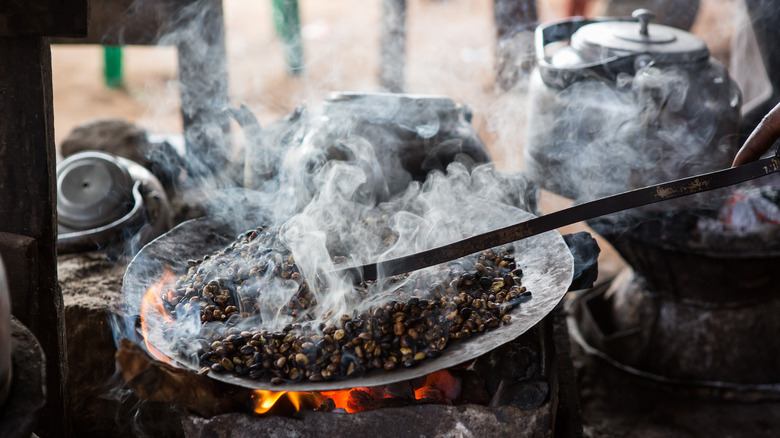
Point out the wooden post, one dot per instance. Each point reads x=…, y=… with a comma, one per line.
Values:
x=28, y=223
x=393, y=45
x=197, y=29
x=200, y=40
x=515, y=23
x=28, y=204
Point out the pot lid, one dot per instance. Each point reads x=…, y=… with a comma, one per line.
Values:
x=605, y=39
x=93, y=189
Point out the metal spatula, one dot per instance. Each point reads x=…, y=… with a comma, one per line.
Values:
x=589, y=210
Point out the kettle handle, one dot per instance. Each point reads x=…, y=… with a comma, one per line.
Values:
x=563, y=76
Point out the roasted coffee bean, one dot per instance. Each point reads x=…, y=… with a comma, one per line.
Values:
x=227, y=364
x=206, y=356
x=432, y=354
x=415, y=326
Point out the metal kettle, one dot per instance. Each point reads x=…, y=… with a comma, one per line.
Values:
x=108, y=202
x=621, y=103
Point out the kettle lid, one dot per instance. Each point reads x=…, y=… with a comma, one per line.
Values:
x=93, y=189
x=606, y=39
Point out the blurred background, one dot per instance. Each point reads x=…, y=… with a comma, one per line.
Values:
x=450, y=50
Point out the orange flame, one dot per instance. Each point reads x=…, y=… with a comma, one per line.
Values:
x=265, y=400
x=152, y=307
x=441, y=386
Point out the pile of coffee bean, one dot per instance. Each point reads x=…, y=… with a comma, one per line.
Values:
x=451, y=303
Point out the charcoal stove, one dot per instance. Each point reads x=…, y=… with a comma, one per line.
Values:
x=696, y=306
x=535, y=392
x=526, y=384
x=538, y=396
x=527, y=381
x=693, y=307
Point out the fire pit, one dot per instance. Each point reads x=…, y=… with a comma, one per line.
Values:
x=698, y=307
x=525, y=384
x=473, y=334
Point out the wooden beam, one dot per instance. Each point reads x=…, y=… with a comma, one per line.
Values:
x=43, y=18
x=197, y=29
x=392, y=52
x=28, y=205
x=125, y=22
x=203, y=86
x=515, y=23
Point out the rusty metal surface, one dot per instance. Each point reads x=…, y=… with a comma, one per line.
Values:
x=545, y=259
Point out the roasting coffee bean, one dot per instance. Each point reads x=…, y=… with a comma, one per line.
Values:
x=417, y=325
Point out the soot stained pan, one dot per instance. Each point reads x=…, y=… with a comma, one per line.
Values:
x=547, y=272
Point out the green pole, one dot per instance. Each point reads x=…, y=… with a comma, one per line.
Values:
x=288, y=26
x=112, y=74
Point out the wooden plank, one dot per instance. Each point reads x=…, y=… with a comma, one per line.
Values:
x=392, y=51
x=43, y=18
x=28, y=202
x=203, y=86
x=127, y=22
x=20, y=257
x=515, y=23
x=197, y=30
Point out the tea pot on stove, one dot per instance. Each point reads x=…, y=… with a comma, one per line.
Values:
x=621, y=103
x=107, y=202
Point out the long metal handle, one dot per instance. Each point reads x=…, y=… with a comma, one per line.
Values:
x=589, y=210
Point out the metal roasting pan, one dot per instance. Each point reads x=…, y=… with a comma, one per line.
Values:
x=546, y=261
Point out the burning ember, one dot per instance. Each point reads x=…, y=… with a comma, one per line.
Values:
x=750, y=207
x=438, y=387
